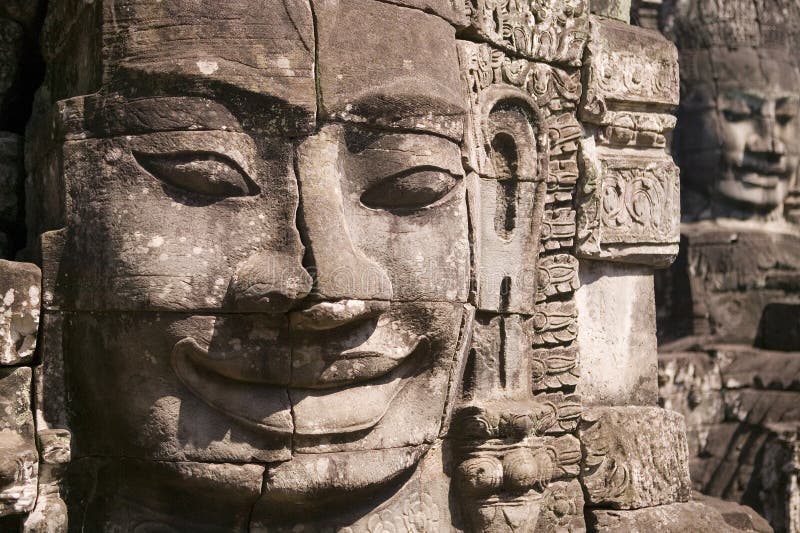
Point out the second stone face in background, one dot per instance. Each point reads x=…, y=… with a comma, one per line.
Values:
x=729, y=308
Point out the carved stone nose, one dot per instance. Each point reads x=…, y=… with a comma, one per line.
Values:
x=269, y=283
x=341, y=269
x=766, y=139
x=766, y=143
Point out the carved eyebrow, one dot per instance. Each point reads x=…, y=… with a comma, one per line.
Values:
x=405, y=105
x=156, y=114
x=183, y=143
x=785, y=101
x=385, y=102
x=417, y=150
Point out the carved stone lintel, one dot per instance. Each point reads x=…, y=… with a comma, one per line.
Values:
x=628, y=207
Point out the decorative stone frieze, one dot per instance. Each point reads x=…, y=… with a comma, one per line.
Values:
x=628, y=202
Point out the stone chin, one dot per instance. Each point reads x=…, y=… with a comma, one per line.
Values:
x=334, y=484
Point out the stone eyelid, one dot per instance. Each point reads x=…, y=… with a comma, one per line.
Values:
x=202, y=173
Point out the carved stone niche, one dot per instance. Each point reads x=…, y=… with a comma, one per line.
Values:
x=629, y=194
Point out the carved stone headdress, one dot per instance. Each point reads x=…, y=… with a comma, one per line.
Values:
x=703, y=24
x=726, y=42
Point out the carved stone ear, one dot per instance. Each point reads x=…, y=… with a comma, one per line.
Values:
x=508, y=126
x=507, y=197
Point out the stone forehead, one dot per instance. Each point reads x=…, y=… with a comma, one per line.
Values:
x=279, y=63
x=769, y=70
x=697, y=24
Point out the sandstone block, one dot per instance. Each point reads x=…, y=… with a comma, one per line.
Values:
x=634, y=457
x=673, y=518
x=542, y=32
x=369, y=63
x=737, y=516
x=184, y=496
x=628, y=203
x=616, y=9
x=175, y=49
x=616, y=334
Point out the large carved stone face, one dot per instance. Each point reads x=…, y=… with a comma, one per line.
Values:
x=278, y=282
x=738, y=138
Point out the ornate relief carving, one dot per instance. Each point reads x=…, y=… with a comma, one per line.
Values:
x=562, y=508
x=411, y=515
x=512, y=439
x=543, y=30
x=558, y=228
x=628, y=208
x=507, y=460
x=634, y=457
x=628, y=203
x=554, y=368
x=554, y=323
x=558, y=274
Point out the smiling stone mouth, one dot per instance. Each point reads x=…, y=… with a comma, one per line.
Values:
x=764, y=181
x=329, y=381
x=763, y=169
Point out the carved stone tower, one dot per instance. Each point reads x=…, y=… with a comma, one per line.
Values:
x=345, y=266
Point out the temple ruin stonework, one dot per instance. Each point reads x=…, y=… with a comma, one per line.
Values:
x=350, y=266
x=729, y=308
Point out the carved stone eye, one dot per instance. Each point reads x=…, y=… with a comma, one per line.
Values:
x=411, y=189
x=784, y=117
x=199, y=173
x=736, y=115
